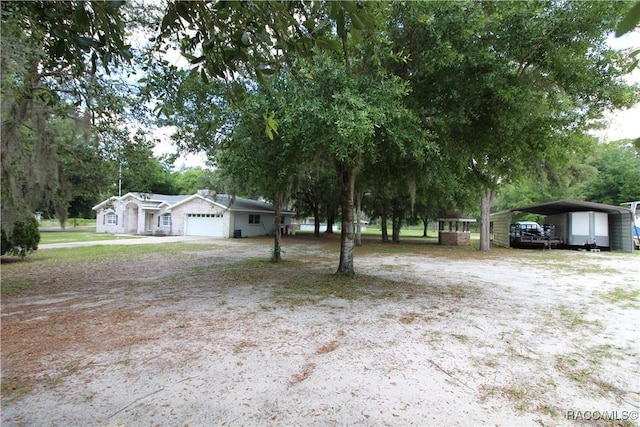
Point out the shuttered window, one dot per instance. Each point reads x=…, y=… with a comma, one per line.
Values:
x=111, y=218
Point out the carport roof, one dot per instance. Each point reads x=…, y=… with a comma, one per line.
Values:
x=562, y=206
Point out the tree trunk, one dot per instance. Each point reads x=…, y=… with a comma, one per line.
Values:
x=276, y=255
x=383, y=224
x=316, y=220
x=485, y=230
x=395, y=229
x=425, y=227
x=331, y=219
x=347, y=242
x=359, y=218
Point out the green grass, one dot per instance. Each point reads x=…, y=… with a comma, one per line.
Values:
x=91, y=253
x=39, y=271
x=15, y=287
x=76, y=235
x=309, y=289
x=83, y=254
x=115, y=252
x=412, y=242
x=624, y=297
x=572, y=319
x=71, y=223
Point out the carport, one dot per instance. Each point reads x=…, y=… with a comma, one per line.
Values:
x=560, y=213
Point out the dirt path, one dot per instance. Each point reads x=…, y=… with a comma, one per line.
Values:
x=218, y=337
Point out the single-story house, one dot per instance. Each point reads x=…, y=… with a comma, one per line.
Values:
x=202, y=214
x=575, y=224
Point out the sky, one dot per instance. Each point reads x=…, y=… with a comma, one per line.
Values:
x=621, y=124
x=624, y=124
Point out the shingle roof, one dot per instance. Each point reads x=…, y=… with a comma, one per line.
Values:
x=168, y=199
x=223, y=200
x=242, y=204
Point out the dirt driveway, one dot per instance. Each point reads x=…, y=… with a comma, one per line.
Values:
x=207, y=333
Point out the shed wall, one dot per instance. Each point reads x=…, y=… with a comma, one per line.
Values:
x=621, y=233
x=501, y=223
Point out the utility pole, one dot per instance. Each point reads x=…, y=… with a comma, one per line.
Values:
x=120, y=180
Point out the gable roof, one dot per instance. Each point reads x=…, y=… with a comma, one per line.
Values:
x=224, y=201
x=240, y=204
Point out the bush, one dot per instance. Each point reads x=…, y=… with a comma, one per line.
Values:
x=25, y=238
x=6, y=244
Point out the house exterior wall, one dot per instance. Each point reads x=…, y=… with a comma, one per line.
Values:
x=122, y=212
x=133, y=218
x=101, y=221
x=136, y=216
x=265, y=228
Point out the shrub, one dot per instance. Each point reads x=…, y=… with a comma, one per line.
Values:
x=6, y=244
x=24, y=239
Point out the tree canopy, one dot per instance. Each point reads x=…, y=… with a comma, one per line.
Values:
x=52, y=95
x=388, y=93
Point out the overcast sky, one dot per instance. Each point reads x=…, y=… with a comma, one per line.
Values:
x=625, y=124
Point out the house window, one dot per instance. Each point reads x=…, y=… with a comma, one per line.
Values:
x=254, y=219
x=165, y=220
x=111, y=218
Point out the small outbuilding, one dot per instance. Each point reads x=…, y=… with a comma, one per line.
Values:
x=575, y=224
x=454, y=231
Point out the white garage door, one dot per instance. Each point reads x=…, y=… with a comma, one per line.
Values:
x=204, y=225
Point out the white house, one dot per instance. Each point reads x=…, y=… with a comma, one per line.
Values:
x=202, y=214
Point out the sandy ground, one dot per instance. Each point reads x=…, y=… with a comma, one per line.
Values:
x=518, y=340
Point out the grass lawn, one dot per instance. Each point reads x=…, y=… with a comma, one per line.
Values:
x=80, y=234
x=71, y=223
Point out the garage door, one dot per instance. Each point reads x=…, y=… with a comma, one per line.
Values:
x=204, y=225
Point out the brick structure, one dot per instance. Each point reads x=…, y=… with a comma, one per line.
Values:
x=454, y=238
x=454, y=231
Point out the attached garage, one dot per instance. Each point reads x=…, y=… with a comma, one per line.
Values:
x=575, y=223
x=200, y=224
